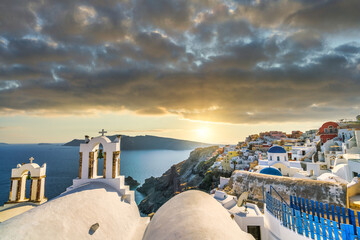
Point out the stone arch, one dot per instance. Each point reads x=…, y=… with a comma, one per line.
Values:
x=88, y=161
x=24, y=181
x=19, y=176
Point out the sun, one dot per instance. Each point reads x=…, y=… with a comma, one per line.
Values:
x=203, y=132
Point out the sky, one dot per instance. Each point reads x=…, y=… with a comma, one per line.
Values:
x=203, y=70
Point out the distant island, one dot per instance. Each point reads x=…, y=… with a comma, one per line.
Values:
x=148, y=142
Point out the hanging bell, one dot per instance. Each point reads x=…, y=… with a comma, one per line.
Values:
x=29, y=176
x=100, y=155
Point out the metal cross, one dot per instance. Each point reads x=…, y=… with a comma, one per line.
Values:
x=31, y=159
x=102, y=132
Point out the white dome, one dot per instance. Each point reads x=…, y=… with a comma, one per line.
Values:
x=340, y=171
x=193, y=215
x=70, y=216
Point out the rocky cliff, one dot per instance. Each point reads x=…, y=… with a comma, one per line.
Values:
x=191, y=173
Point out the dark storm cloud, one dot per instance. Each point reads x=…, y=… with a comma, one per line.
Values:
x=163, y=13
x=244, y=61
x=330, y=15
x=82, y=22
x=35, y=51
x=16, y=17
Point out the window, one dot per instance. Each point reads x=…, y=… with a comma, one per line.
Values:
x=254, y=231
x=285, y=158
x=331, y=129
x=355, y=174
x=278, y=158
x=326, y=130
x=270, y=158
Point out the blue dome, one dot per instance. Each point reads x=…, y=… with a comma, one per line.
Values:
x=277, y=149
x=271, y=171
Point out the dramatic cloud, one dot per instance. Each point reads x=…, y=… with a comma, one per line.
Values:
x=238, y=62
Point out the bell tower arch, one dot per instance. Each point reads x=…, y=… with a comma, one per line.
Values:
x=19, y=175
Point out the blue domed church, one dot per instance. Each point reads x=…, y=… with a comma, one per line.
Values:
x=278, y=163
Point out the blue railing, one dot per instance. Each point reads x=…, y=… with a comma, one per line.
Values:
x=335, y=213
x=314, y=221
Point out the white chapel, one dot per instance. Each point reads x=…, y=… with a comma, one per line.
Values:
x=103, y=207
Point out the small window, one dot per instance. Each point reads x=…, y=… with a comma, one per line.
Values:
x=278, y=158
x=285, y=159
x=326, y=130
x=270, y=158
x=254, y=231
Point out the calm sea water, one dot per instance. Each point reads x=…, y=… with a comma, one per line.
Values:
x=63, y=165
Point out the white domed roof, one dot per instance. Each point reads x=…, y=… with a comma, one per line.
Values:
x=193, y=215
x=340, y=170
x=70, y=216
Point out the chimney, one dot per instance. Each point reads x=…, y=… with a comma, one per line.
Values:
x=357, y=137
x=87, y=139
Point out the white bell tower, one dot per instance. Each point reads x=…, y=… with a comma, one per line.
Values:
x=89, y=155
x=19, y=175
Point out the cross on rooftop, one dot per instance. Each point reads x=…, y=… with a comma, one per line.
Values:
x=102, y=132
x=31, y=159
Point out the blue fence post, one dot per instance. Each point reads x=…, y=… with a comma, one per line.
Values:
x=299, y=222
x=293, y=219
x=288, y=217
x=322, y=209
x=343, y=212
x=330, y=229
x=347, y=232
x=327, y=211
x=333, y=212
x=317, y=226
x=299, y=203
x=279, y=210
x=338, y=215
x=351, y=232
x=303, y=204
x=313, y=207
x=352, y=220
x=317, y=209
x=358, y=232
x=291, y=201
x=344, y=233
x=311, y=223
x=336, y=230
x=323, y=228
x=306, y=228
x=307, y=206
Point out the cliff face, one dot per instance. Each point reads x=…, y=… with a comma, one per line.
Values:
x=186, y=174
x=148, y=142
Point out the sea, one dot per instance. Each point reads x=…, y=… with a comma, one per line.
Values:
x=62, y=165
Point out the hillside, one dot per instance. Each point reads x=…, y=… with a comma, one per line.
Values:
x=148, y=142
x=191, y=173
